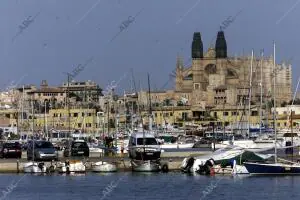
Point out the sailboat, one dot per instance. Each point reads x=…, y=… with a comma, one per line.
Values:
x=144, y=148
x=286, y=167
x=101, y=166
x=31, y=166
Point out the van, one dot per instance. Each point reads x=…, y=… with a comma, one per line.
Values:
x=143, y=146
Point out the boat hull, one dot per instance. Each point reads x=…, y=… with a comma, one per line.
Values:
x=145, y=166
x=103, y=167
x=33, y=167
x=274, y=168
x=76, y=167
x=147, y=155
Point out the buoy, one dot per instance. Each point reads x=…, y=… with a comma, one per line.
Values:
x=165, y=168
x=212, y=171
x=68, y=170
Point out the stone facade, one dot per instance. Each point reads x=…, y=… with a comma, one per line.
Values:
x=216, y=80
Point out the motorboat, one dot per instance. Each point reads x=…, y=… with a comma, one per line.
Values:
x=221, y=160
x=74, y=166
x=102, y=166
x=34, y=167
x=145, y=166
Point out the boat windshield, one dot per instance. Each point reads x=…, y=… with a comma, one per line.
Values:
x=148, y=141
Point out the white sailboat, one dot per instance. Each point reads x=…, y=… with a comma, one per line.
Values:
x=73, y=166
x=102, y=166
x=32, y=166
x=148, y=160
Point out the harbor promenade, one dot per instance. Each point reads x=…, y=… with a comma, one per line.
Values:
x=172, y=159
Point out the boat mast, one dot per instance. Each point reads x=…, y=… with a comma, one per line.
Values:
x=33, y=143
x=250, y=94
x=274, y=99
x=261, y=91
x=291, y=120
x=150, y=108
x=68, y=106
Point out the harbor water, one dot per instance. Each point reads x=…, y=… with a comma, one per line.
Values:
x=146, y=186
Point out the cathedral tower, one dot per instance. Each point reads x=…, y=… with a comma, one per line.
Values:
x=221, y=46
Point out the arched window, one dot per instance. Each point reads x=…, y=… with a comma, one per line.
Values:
x=211, y=69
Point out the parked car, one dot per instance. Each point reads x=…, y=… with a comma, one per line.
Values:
x=10, y=149
x=41, y=150
x=77, y=148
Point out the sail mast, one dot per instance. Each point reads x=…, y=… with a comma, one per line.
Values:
x=150, y=107
x=261, y=91
x=274, y=99
x=250, y=93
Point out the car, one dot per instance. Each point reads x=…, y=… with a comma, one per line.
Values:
x=77, y=148
x=11, y=149
x=41, y=150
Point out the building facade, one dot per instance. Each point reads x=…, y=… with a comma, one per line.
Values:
x=214, y=81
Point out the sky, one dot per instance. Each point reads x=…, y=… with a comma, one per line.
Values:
x=63, y=34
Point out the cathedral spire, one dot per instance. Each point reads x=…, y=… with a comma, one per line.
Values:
x=197, y=46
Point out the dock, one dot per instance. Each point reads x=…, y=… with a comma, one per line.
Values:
x=172, y=159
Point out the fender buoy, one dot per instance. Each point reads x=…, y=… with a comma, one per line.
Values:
x=165, y=168
x=68, y=170
x=212, y=171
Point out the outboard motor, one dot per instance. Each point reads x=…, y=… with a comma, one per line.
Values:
x=189, y=164
x=205, y=169
x=41, y=166
x=67, y=163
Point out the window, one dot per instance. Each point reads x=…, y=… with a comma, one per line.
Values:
x=88, y=125
x=75, y=114
x=225, y=113
x=196, y=86
x=79, y=145
x=132, y=141
x=147, y=141
x=42, y=145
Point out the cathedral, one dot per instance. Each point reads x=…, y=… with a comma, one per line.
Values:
x=214, y=79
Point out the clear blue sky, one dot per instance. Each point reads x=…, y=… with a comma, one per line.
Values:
x=68, y=32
